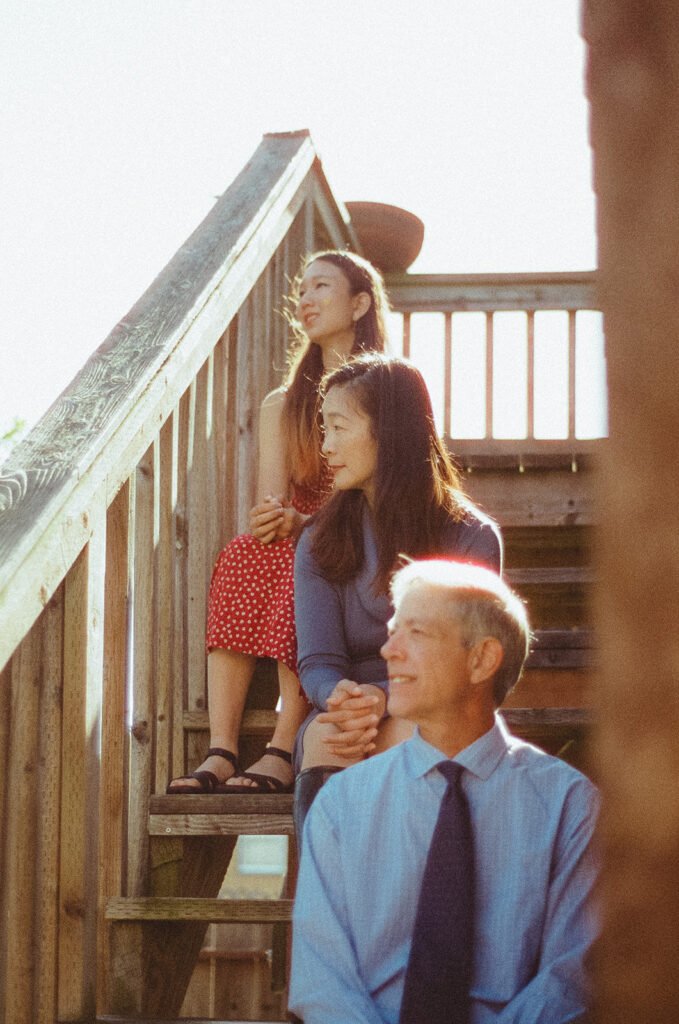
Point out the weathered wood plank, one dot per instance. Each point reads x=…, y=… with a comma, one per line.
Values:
x=20, y=880
x=221, y=803
x=197, y=541
x=531, y=499
x=141, y=733
x=255, y=722
x=47, y=853
x=180, y=562
x=558, y=576
x=114, y=740
x=154, y=908
x=83, y=668
x=165, y=475
x=221, y=825
x=449, y=293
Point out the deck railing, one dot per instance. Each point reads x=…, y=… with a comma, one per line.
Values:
x=514, y=362
x=112, y=512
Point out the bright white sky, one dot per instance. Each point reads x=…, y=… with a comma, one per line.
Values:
x=123, y=121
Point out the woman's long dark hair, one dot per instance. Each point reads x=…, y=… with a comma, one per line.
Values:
x=305, y=365
x=417, y=488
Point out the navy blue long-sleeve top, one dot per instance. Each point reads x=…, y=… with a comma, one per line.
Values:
x=342, y=626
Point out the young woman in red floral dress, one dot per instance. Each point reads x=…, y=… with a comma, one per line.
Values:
x=339, y=309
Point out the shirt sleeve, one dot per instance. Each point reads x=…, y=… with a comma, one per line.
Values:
x=482, y=545
x=560, y=991
x=326, y=986
x=322, y=656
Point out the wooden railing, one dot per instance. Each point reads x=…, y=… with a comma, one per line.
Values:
x=514, y=362
x=112, y=512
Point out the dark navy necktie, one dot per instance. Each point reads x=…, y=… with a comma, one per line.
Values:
x=438, y=976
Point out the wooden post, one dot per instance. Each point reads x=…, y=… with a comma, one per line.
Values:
x=633, y=82
x=114, y=745
x=84, y=602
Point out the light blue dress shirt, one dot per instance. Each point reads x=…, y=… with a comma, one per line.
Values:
x=365, y=845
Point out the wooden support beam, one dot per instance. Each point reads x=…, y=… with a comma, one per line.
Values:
x=633, y=86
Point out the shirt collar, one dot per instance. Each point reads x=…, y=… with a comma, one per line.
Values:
x=481, y=757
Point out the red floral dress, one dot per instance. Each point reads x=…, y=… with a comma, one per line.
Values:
x=251, y=605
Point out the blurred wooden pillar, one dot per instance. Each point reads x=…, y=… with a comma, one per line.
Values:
x=633, y=84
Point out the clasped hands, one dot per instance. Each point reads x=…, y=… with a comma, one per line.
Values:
x=356, y=711
x=272, y=519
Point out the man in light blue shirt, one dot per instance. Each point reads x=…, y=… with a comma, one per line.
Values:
x=457, y=645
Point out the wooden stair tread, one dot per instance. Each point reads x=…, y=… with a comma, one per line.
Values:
x=185, y=908
x=225, y=824
x=559, y=575
x=108, y=1018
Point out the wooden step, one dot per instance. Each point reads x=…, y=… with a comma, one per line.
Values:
x=550, y=576
x=561, y=648
x=221, y=814
x=212, y=911
x=108, y=1018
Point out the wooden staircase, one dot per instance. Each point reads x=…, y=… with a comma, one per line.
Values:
x=192, y=838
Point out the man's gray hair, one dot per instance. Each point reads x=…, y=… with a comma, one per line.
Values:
x=483, y=606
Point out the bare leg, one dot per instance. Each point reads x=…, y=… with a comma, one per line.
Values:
x=294, y=709
x=390, y=732
x=228, y=677
x=316, y=752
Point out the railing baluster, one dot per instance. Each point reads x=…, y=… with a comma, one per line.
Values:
x=114, y=740
x=406, y=335
x=163, y=604
x=141, y=738
x=489, y=375
x=447, y=372
x=571, y=374
x=530, y=374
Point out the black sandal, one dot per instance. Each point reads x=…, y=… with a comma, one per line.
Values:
x=208, y=780
x=264, y=783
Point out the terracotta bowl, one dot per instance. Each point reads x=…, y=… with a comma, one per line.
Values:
x=390, y=237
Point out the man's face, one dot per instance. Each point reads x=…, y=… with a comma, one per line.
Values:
x=427, y=657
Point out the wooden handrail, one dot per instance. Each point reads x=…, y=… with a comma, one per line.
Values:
x=77, y=457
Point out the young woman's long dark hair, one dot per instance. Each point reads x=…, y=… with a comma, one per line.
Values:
x=305, y=364
x=417, y=488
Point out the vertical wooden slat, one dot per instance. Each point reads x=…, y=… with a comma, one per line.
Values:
x=179, y=646
x=447, y=372
x=489, y=375
x=530, y=374
x=196, y=566
x=83, y=669
x=22, y=790
x=309, y=228
x=232, y=446
x=247, y=415
x=406, y=335
x=219, y=446
x=47, y=860
x=571, y=373
x=163, y=595
x=141, y=733
x=5, y=730
x=114, y=744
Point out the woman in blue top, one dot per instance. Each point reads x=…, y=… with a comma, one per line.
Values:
x=396, y=494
